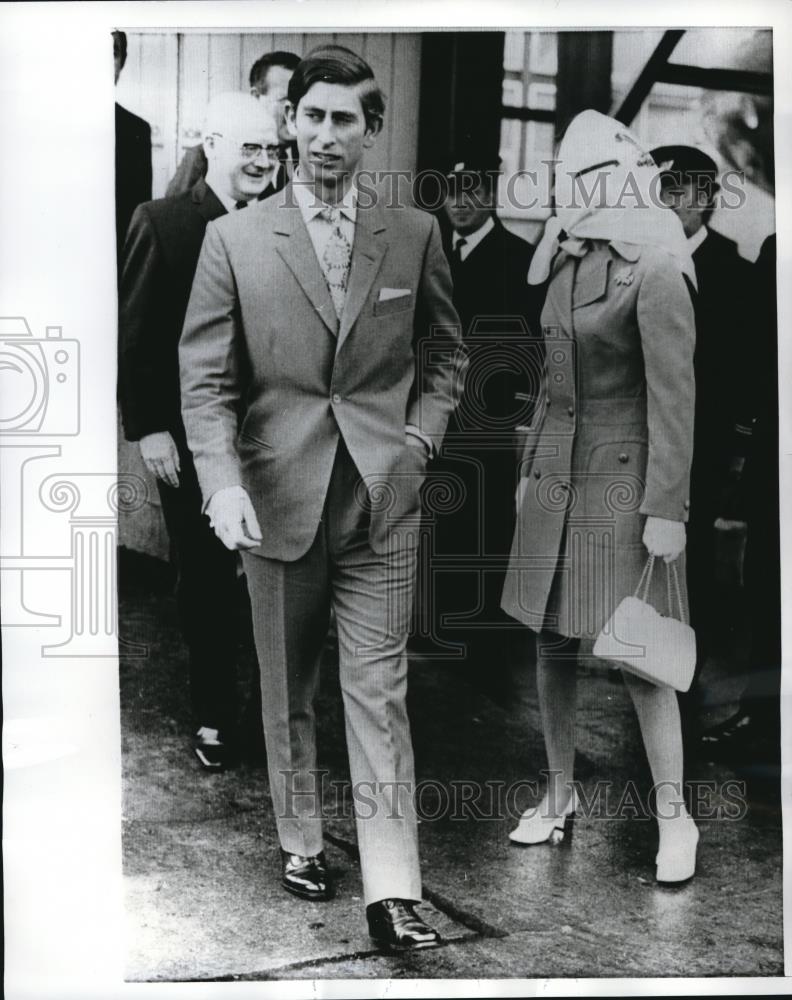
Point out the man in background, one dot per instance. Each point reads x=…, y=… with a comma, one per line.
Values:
x=132, y=155
x=499, y=315
x=165, y=236
x=723, y=420
x=751, y=738
x=269, y=78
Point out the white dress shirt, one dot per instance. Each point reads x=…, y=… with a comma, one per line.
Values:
x=319, y=229
x=473, y=239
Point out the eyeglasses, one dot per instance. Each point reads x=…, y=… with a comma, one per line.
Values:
x=252, y=150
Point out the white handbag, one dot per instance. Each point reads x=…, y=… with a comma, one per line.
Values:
x=659, y=649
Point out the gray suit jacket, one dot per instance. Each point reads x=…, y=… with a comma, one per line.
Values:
x=270, y=378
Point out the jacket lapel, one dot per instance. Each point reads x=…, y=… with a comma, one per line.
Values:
x=591, y=280
x=368, y=252
x=206, y=201
x=297, y=252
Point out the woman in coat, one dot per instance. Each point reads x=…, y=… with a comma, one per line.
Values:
x=606, y=464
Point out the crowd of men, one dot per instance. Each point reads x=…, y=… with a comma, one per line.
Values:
x=267, y=360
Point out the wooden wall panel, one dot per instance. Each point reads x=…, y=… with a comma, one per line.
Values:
x=224, y=63
x=377, y=50
x=193, y=88
x=289, y=43
x=405, y=91
x=252, y=47
x=313, y=38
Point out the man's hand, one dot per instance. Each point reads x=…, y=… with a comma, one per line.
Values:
x=161, y=456
x=664, y=539
x=234, y=521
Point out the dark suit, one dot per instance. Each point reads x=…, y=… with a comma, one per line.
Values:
x=723, y=338
x=762, y=556
x=133, y=168
x=193, y=167
x=160, y=256
x=499, y=316
x=320, y=447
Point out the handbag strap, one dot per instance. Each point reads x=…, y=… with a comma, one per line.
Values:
x=645, y=580
x=671, y=568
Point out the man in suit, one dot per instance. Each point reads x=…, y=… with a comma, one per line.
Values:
x=161, y=253
x=722, y=423
x=132, y=154
x=499, y=313
x=269, y=78
x=751, y=736
x=319, y=361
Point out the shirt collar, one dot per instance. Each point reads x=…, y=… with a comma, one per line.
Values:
x=311, y=205
x=229, y=203
x=472, y=240
x=695, y=241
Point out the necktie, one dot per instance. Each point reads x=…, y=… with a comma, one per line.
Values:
x=240, y=204
x=456, y=253
x=336, y=259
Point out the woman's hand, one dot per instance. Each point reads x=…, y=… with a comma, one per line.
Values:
x=664, y=539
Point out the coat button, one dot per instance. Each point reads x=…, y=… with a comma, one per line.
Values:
x=547, y=400
x=571, y=411
x=537, y=473
x=687, y=505
x=624, y=457
x=336, y=398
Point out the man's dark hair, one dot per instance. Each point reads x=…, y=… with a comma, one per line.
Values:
x=262, y=66
x=690, y=165
x=120, y=47
x=336, y=64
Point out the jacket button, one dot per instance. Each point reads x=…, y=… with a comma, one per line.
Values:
x=547, y=400
x=624, y=457
x=537, y=473
x=687, y=505
x=571, y=411
x=336, y=398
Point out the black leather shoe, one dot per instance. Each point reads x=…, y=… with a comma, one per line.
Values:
x=307, y=878
x=727, y=730
x=394, y=925
x=213, y=754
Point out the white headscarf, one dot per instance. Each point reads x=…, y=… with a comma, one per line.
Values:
x=607, y=188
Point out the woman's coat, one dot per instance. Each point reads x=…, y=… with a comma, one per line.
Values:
x=613, y=441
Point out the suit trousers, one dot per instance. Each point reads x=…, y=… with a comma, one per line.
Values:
x=207, y=599
x=371, y=595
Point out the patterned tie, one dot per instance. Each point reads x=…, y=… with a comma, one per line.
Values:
x=336, y=259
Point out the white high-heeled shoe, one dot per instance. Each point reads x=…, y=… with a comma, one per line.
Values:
x=536, y=828
x=676, y=859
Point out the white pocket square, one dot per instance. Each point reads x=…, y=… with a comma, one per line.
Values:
x=393, y=293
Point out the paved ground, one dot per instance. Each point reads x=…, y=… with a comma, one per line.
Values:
x=201, y=857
